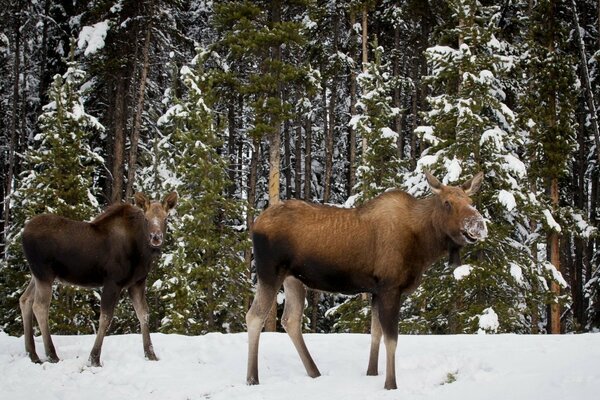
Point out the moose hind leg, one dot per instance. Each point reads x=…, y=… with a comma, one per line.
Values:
x=137, y=293
x=372, y=369
x=388, y=305
x=108, y=301
x=295, y=293
x=255, y=320
x=40, y=307
x=26, y=304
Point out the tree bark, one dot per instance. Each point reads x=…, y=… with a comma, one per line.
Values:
x=287, y=147
x=135, y=133
x=585, y=75
x=14, y=124
x=331, y=108
x=308, y=161
x=118, y=151
x=231, y=153
x=298, y=164
x=554, y=243
x=252, y=174
x=365, y=59
x=351, y=132
x=274, y=158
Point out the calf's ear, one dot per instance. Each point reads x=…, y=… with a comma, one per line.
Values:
x=472, y=185
x=170, y=201
x=141, y=200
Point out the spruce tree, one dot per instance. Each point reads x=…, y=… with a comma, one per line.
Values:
x=207, y=285
x=60, y=178
x=470, y=128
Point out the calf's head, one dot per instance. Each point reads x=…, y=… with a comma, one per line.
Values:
x=457, y=216
x=156, y=213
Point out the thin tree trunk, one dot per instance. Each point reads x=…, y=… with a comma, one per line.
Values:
x=554, y=242
x=365, y=59
x=331, y=125
x=252, y=174
x=397, y=94
x=14, y=122
x=298, y=164
x=118, y=151
x=135, y=133
x=274, y=160
x=287, y=147
x=231, y=153
x=308, y=161
x=351, y=132
x=585, y=75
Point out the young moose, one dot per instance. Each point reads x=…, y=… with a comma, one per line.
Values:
x=382, y=247
x=115, y=251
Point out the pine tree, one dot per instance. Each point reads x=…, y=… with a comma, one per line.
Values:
x=207, y=286
x=470, y=128
x=60, y=178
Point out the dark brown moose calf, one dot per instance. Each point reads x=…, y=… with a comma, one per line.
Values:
x=115, y=251
x=382, y=247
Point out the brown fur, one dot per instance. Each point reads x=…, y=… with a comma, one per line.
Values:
x=115, y=251
x=382, y=248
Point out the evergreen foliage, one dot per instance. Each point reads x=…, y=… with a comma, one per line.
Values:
x=60, y=178
x=207, y=287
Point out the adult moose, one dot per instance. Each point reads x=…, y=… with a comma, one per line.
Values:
x=382, y=247
x=114, y=251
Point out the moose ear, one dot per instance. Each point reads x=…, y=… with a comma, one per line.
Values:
x=170, y=201
x=434, y=183
x=472, y=185
x=141, y=200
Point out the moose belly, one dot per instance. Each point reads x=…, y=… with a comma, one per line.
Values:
x=330, y=277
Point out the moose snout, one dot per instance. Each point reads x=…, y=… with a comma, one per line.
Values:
x=156, y=239
x=475, y=229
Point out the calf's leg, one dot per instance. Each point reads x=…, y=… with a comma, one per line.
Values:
x=137, y=293
x=295, y=293
x=376, y=333
x=26, y=304
x=255, y=320
x=40, y=307
x=388, y=308
x=108, y=301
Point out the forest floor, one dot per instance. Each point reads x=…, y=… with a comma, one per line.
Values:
x=213, y=366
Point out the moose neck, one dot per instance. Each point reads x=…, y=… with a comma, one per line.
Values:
x=428, y=222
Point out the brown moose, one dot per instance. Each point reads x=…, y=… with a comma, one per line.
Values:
x=115, y=251
x=382, y=247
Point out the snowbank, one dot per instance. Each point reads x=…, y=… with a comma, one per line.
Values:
x=214, y=366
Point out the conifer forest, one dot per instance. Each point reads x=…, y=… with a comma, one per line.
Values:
x=240, y=104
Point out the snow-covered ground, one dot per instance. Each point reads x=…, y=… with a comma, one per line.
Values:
x=507, y=367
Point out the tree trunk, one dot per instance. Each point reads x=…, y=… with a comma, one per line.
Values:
x=331, y=125
x=231, y=153
x=298, y=164
x=118, y=151
x=365, y=60
x=252, y=173
x=397, y=94
x=135, y=133
x=585, y=75
x=274, y=159
x=351, y=132
x=554, y=243
x=308, y=161
x=14, y=123
x=287, y=162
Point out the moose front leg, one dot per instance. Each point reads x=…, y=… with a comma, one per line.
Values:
x=137, y=293
x=108, y=301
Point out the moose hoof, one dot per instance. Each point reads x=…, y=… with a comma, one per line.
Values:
x=151, y=357
x=314, y=374
x=35, y=359
x=390, y=386
x=252, y=381
x=94, y=362
x=372, y=373
x=53, y=358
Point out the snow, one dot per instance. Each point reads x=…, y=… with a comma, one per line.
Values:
x=92, y=36
x=550, y=221
x=387, y=133
x=462, y=271
x=461, y=367
x=488, y=321
x=454, y=169
x=507, y=199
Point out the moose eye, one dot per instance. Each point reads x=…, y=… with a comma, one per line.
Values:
x=447, y=205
